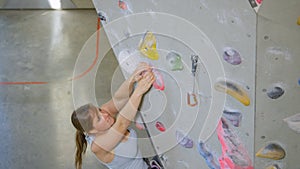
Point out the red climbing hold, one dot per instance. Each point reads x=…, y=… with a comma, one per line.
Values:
x=160, y=126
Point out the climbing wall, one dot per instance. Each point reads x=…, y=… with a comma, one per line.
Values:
x=278, y=85
x=200, y=111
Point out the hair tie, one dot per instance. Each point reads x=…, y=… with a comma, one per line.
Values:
x=88, y=138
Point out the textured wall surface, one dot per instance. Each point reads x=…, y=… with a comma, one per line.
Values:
x=223, y=35
x=278, y=67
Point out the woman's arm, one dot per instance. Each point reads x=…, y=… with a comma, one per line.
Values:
x=115, y=134
x=122, y=95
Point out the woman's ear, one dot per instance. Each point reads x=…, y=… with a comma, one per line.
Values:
x=106, y=116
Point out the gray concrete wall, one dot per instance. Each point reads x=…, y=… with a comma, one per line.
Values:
x=278, y=65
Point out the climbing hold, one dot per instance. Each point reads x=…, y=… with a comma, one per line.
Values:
x=275, y=92
x=271, y=151
x=233, y=90
x=231, y=56
x=183, y=140
x=159, y=82
x=174, y=61
x=259, y=1
x=208, y=156
x=123, y=5
x=274, y=166
x=235, y=117
x=147, y=46
x=160, y=126
x=298, y=81
x=140, y=126
x=298, y=20
x=293, y=122
x=139, y=122
x=234, y=153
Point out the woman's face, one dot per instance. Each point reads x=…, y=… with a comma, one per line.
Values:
x=102, y=120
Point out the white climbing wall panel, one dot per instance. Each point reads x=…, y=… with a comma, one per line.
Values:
x=223, y=36
x=278, y=65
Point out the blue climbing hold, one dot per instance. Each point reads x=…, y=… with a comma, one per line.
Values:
x=208, y=156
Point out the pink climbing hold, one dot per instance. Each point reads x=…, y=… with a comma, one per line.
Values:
x=122, y=5
x=140, y=126
x=160, y=126
x=159, y=82
x=234, y=154
x=259, y=1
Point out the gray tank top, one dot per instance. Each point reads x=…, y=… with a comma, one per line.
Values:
x=127, y=154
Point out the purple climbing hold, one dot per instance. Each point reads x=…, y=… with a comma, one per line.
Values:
x=183, y=140
x=231, y=56
x=235, y=117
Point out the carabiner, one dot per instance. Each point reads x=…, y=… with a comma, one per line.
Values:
x=189, y=99
x=194, y=59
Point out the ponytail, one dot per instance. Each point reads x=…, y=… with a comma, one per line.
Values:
x=82, y=121
x=81, y=145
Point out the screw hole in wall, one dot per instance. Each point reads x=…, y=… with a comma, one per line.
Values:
x=266, y=37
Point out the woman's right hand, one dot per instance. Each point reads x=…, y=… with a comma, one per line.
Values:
x=144, y=83
x=139, y=71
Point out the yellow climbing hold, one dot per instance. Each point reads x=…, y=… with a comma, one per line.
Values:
x=274, y=166
x=298, y=21
x=233, y=90
x=148, y=46
x=271, y=151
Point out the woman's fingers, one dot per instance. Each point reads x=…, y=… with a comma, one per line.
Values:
x=145, y=82
x=149, y=77
x=143, y=67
